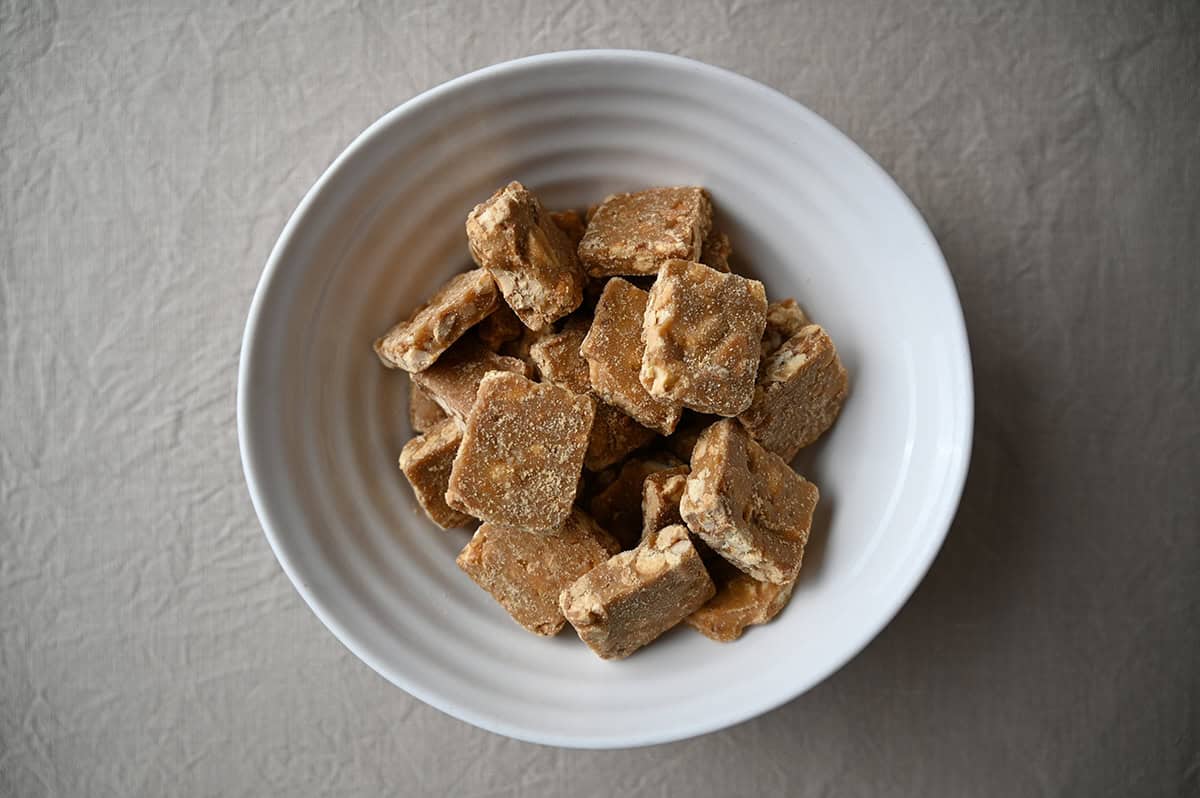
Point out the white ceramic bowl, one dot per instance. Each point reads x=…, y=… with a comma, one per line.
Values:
x=321, y=422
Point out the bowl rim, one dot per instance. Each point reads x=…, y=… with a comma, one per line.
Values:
x=938, y=525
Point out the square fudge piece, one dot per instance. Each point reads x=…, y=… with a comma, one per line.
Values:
x=740, y=601
x=526, y=571
x=416, y=344
x=784, y=319
x=702, y=333
x=556, y=356
x=629, y=600
x=521, y=454
x=423, y=413
x=454, y=379
x=426, y=462
x=747, y=504
x=613, y=349
x=716, y=251
x=614, y=434
x=636, y=233
x=661, y=492
x=531, y=259
x=618, y=507
x=614, y=437
x=799, y=393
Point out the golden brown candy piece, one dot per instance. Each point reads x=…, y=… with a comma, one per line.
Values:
x=614, y=437
x=747, y=504
x=613, y=349
x=572, y=223
x=716, y=251
x=632, y=598
x=426, y=461
x=614, y=434
x=454, y=379
x=661, y=492
x=501, y=327
x=521, y=453
x=531, y=259
x=557, y=358
x=799, y=393
x=423, y=412
x=784, y=319
x=618, y=507
x=635, y=233
x=702, y=332
x=526, y=571
x=416, y=343
x=740, y=601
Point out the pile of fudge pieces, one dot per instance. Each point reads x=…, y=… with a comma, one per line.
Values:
x=618, y=410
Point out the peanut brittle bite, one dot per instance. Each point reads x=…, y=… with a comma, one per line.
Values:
x=631, y=234
x=426, y=462
x=784, y=319
x=618, y=508
x=530, y=258
x=747, y=504
x=614, y=434
x=614, y=437
x=557, y=358
x=702, y=332
x=716, y=251
x=521, y=454
x=632, y=598
x=799, y=393
x=740, y=601
x=526, y=571
x=661, y=492
x=454, y=379
x=613, y=349
x=423, y=412
x=416, y=343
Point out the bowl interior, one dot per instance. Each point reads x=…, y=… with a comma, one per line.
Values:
x=810, y=215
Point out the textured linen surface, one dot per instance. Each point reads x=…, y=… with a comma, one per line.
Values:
x=151, y=153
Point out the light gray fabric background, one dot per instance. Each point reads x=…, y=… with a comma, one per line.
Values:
x=150, y=154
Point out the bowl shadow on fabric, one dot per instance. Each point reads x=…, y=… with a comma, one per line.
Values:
x=988, y=546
